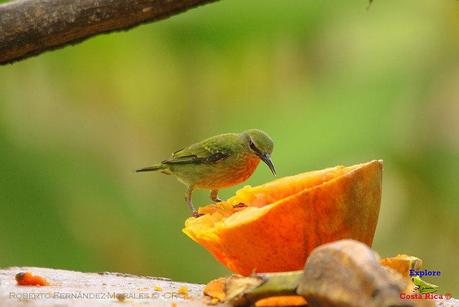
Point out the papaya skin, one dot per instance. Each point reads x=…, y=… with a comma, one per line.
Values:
x=287, y=218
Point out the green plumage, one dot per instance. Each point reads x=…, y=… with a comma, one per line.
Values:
x=424, y=286
x=220, y=161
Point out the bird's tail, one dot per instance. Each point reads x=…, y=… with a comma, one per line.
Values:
x=156, y=167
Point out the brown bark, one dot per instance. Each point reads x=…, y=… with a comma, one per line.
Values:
x=30, y=27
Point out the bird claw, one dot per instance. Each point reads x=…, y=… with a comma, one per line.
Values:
x=214, y=196
x=197, y=214
x=240, y=205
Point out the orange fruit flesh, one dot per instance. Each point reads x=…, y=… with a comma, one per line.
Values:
x=280, y=222
x=279, y=301
x=27, y=279
x=403, y=264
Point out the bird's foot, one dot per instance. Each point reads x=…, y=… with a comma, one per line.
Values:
x=240, y=205
x=197, y=214
x=214, y=196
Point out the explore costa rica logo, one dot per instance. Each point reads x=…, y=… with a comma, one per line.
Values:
x=423, y=289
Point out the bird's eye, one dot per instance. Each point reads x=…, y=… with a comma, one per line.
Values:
x=252, y=146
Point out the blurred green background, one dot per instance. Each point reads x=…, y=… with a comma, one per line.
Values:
x=331, y=82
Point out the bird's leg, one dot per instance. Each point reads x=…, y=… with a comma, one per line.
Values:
x=214, y=196
x=189, y=201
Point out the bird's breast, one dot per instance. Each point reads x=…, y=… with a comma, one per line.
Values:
x=230, y=172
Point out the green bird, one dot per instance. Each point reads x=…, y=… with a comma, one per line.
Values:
x=424, y=286
x=218, y=162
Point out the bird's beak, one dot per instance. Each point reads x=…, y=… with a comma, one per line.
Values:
x=267, y=159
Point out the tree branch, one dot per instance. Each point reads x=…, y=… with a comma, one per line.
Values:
x=30, y=27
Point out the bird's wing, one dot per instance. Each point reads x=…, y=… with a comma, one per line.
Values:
x=209, y=152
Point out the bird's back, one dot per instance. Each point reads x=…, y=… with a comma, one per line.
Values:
x=220, y=143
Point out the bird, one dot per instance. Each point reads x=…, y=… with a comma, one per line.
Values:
x=423, y=286
x=217, y=162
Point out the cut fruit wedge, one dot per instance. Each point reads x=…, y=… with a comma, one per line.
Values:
x=273, y=227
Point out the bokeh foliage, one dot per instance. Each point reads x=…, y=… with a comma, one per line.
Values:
x=332, y=82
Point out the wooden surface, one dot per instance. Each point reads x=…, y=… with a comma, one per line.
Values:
x=70, y=288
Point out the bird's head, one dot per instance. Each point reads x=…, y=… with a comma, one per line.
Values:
x=261, y=145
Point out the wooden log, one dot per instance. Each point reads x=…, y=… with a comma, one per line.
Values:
x=70, y=288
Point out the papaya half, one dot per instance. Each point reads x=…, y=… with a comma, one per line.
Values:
x=273, y=227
